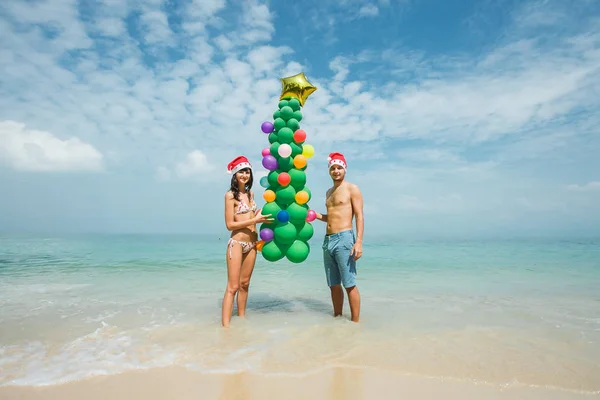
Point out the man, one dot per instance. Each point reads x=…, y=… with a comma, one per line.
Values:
x=341, y=248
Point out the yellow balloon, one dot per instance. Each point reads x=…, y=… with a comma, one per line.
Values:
x=296, y=86
x=301, y=197
x=269, y=196
x=308, y=151
x=299, y=161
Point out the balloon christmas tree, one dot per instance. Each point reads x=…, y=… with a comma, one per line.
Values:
x=286, y=193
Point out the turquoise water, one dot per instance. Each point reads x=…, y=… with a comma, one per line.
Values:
x=502, y=312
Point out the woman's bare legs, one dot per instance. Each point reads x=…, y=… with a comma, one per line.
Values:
x=234, y=265
x=248, y=261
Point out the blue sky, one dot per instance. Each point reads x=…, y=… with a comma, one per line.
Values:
x=456, y=117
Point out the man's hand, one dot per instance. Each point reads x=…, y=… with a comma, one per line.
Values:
x=356, y=250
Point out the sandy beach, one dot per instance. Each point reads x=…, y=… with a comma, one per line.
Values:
x=332, y=383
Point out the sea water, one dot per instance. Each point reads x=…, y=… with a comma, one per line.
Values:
x=504, y=312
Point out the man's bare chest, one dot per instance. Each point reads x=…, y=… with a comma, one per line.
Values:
x=338, y=199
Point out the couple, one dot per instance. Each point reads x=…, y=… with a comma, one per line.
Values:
x=340, y=247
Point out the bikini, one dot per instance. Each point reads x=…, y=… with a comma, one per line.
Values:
x=243, y=208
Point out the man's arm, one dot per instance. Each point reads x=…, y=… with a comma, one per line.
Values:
x=321, y=217
x=357, y=208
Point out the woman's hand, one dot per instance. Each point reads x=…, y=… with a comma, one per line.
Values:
x=260, y=218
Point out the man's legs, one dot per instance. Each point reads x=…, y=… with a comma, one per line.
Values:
x=334, y=280
x=337, y=298
x=354, y=300
x=347, y=268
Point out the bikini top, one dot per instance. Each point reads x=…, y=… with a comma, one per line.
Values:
x=244, y=208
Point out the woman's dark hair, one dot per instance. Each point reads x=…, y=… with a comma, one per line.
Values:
x=235, y=189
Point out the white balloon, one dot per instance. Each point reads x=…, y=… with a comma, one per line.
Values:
x=285, y=150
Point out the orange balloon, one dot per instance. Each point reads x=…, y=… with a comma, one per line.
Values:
x=299, y=161
x=301, y=197
x=259, y=245
x=269, y=196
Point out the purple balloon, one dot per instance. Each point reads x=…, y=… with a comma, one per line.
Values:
x=266, y=234
x=267, y=127
x=269, y=162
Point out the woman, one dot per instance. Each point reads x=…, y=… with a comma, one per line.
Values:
x=241, y=217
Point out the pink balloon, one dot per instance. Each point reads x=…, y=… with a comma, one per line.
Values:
x=266, y=151
x=311, y=216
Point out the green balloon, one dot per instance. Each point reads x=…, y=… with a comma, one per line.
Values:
x=285, y=164
x=305, y=231
x=272, y=252
x=282, y=104
x=277, y=114
x=297, y=178
x=272, y=178
x=285, y=135
x=278, y=124
x=274, y=148
x=297, y=213
x=271, y=208
x=295, y=149
x=297, y=252
x=285, y=196
x=294, y=104
x=297, y=115
x=287, y=113
x=293, y=124
x=272, y=137
x=285, y=233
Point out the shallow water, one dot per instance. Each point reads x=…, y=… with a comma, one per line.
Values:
x=503, y=312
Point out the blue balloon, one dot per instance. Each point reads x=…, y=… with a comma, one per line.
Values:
x=264, y=182
x=283, y=216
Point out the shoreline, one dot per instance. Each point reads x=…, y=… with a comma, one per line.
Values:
x=331, y=382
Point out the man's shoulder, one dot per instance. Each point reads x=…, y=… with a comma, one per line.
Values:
x=351, y=186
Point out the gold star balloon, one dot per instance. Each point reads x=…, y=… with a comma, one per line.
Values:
x=296, y=86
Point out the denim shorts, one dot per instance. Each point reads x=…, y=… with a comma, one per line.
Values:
x=340, y=265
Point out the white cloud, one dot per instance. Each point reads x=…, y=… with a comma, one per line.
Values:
x=60, y=16
x=195, y=166
x=588, y=187
x=513, y=88
x=156, y=27
x=255, y=26
x=257, y=20
x=32, y=150
x=370, y=10
x=198, y=14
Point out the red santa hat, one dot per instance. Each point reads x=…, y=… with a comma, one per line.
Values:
x=237, y=164
x=336, y=159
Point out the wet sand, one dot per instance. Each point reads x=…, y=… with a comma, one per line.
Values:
x=333, y=383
